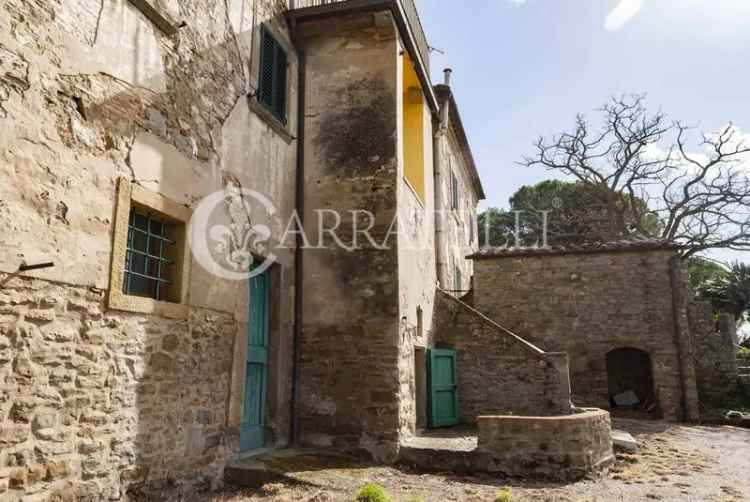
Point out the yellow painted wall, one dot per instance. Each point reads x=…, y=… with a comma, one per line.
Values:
x=414, y=145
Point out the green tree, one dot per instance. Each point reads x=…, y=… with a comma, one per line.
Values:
x=572, y=212
x=730, y=293
x=703, y=272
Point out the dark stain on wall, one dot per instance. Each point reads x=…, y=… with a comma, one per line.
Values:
x=360, y=131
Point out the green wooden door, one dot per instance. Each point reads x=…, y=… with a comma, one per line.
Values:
x=256, y=369
x=443, y=387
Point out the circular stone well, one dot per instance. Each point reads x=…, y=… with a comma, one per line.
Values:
x=564, y=447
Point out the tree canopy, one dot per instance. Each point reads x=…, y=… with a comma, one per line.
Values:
x=575, y=213
x=644, y=169
x=730, y=292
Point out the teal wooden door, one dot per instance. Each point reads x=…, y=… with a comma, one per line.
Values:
x=256, y=368
x=443, y=388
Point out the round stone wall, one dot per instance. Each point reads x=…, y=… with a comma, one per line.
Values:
x=564, y=447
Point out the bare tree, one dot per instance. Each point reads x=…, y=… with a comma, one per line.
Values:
x=700, y=200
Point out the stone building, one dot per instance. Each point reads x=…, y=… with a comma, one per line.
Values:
x=151, y=150
x=622, y=313
x=131, y=365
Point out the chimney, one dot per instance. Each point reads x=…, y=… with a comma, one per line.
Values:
x=447, y=73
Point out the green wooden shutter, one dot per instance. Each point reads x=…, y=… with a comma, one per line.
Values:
x=265, y=85
x=279, y=106
x=272, y=75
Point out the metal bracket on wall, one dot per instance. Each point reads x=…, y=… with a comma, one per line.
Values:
x=24, y=267
x=156, y=15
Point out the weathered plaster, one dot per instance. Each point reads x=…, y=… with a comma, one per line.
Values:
x=91, y=92
x=350, y=344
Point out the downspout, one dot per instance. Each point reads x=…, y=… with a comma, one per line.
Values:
x=298, y=258
x=440, y=134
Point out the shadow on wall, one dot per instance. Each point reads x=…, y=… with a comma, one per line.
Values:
x=181, y=379
x=101, y=403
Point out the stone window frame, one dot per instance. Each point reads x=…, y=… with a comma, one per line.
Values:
x=129, y=194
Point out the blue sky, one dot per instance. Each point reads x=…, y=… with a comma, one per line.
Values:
x=524, y=68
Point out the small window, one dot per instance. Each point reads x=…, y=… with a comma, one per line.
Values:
x=471, y=229
x=149, y=263
x=273, y=69
x=150, y=253
x=457, y=279
x=454, y=191
x=420, y=321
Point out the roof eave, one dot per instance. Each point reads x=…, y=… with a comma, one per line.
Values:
x=402, y=23
x=444, y=93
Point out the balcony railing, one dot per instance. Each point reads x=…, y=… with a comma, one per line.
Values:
x=407, y=7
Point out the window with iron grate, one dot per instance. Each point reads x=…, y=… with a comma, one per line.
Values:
x=149, y=256
x=272, y=85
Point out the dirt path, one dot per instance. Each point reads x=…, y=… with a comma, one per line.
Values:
x=676, y=463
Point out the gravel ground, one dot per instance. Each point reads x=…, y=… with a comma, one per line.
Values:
x=675, y=463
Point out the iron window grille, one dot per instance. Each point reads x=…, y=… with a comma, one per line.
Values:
x=272, y=75
x=147, y=262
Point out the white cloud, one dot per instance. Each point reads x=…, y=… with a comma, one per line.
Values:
x=624, y=12
x=518, y=2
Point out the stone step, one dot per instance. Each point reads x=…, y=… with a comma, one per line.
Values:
x=285, y=466
x=252, y=475
x=440, y=460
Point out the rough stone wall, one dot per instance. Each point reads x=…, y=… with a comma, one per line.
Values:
x=715, y=355
x=499, y=374
x=108, y=405
x=563, y=448
x=350, y=344
x=587, y=305
x=89, y=92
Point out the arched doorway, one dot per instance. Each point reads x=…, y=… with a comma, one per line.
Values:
x=630, y=379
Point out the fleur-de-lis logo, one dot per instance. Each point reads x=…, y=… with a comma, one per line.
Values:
x=224, y=237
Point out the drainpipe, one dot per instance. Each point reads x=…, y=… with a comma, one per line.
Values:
x=440, y=134
x=298, y=257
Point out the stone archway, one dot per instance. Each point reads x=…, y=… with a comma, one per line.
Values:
x=630, y=370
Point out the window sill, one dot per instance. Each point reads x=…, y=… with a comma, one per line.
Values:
x=266, y=116
x=140, y=305
x=413, y=191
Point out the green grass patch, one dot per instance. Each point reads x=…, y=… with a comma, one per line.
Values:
x=372, y=493
x=504, y=495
